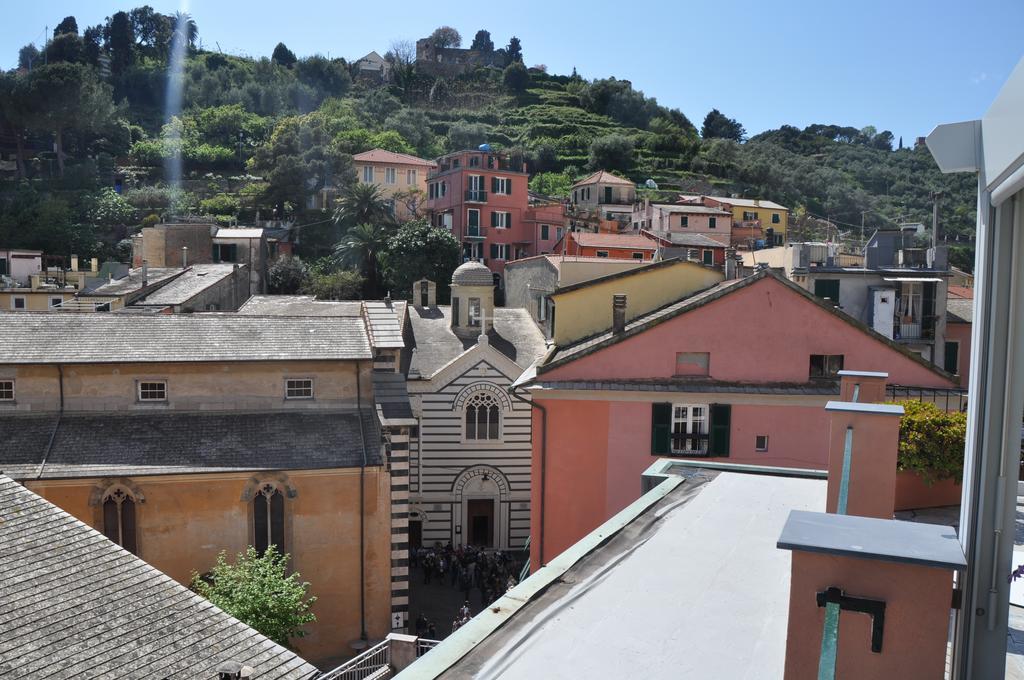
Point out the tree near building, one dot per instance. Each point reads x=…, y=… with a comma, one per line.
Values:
x=286, y=276
x=420, y=250
x=361, y=248
x=344, y=284
x=482, y=41
x=717, y=125
x=258, y=591
x=932, y=441
x=445, y=36
x=362, y=203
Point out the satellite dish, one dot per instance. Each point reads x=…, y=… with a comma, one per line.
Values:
x=651, y=184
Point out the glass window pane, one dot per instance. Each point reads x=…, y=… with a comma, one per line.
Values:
x=260, y=538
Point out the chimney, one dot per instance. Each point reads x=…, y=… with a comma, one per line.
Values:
x=863, y=443
x=730, y=264
x=145, y=273
x=618, y=313
x=232, y=670
x=94, y=265
x=74, y=263
x=184, y=257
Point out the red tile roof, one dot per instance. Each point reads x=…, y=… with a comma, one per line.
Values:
x=635, y=241
x=960, y=292
x=383, y=156
x=603, y=177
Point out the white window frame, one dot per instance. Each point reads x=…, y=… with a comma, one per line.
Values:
x=503, y=251
x=542, y=308
x=58, y=300
x=503, y=219
x=14, y=303
x=390, y=176
x=298, y=389
x=469, y=222
x=142, y=387
x=474, y=312
x=545, y=228
x=367, y=174
x=758, y=444
x=504, y=185
x=6, y=389
x=410, y=177
x=685, y=419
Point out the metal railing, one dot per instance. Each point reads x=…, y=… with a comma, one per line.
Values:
x=946, y=398
x=922, y=328
x=694, y=444
x=424, y=645
x=373, y=664
x=478, y=231
x=476, y=196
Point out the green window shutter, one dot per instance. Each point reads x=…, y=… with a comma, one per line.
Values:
x=494, y=251
x=721, y=420
x=494, y=219
x=494, y=185
x=661, y=428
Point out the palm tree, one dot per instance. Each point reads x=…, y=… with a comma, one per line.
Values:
x=363, y=204
x=360, y=248
x=184, y=22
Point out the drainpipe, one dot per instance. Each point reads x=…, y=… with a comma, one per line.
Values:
x=56, y=425
x=543, y=465
x=362, y=510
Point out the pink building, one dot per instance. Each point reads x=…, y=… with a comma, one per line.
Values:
x=482, y=197
x=731, y=374
x=663, y=219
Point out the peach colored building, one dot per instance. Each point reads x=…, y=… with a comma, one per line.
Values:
x=401, y=178
x=730, y=373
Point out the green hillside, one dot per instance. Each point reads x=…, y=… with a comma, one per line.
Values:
x=262, y=135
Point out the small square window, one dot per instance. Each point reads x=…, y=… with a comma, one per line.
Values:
x=602, y=253
x=298, y=388
x=56, y=302
x=153, y=390
x=638, y=256
x=6, y=390
x=17, y=303
x=368, y=174
x=761, y=442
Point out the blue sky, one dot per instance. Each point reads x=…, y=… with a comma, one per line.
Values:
x=903, y=65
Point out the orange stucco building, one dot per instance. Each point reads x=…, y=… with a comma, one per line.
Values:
x=183, y=436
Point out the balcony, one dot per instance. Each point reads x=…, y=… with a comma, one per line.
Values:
x=692, y=444
x=913, y=328
x=476, y=196
x=747, y=224
x=476, y=231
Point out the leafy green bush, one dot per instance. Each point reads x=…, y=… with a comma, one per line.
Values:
x=259, y=591
x=221, y=204
x=345, y=284
x=932, y=442
x=150, y=220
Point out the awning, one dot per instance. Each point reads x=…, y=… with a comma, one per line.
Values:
x=912, y=279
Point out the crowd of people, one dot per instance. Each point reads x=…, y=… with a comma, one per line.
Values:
x=467, y=569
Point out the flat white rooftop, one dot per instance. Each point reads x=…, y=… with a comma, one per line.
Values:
x=692, y=587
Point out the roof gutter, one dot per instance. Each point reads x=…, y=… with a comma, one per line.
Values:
x=56, y=425
x=362, y=508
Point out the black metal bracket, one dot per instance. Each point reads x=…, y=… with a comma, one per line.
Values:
x=874, y=608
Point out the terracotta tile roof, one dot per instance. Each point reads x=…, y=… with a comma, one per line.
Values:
x=383, y=156
x=962, y=292
x=602, y=177
x=635, y=241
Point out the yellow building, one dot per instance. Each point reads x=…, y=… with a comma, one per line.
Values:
x=402, y=178
x=752, y=218
x=585, y=309
x=182, y=436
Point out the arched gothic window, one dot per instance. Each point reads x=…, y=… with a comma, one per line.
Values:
x=268, y=518
x=483, y=417
x=119, y=518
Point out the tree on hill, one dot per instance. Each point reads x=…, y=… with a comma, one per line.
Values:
x=119, y=37
x=514, y=51
x=258, y=591
x=445, y=36
x=66, y=47
x=611, y=152
x=516, y=78
x=186, y=25
x=283, y=56
x=717, y=125
x=27, y=56
x=482, y=41
x=67, y=25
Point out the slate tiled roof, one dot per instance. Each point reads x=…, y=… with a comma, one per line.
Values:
x=299, y=305
x=391, y=395
x=959, y=310
x=514, y=334
x=192, y=282
x=692, y=240
x=53, y=337
x=105, y=444
x=133, y=282
x=75, y=605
